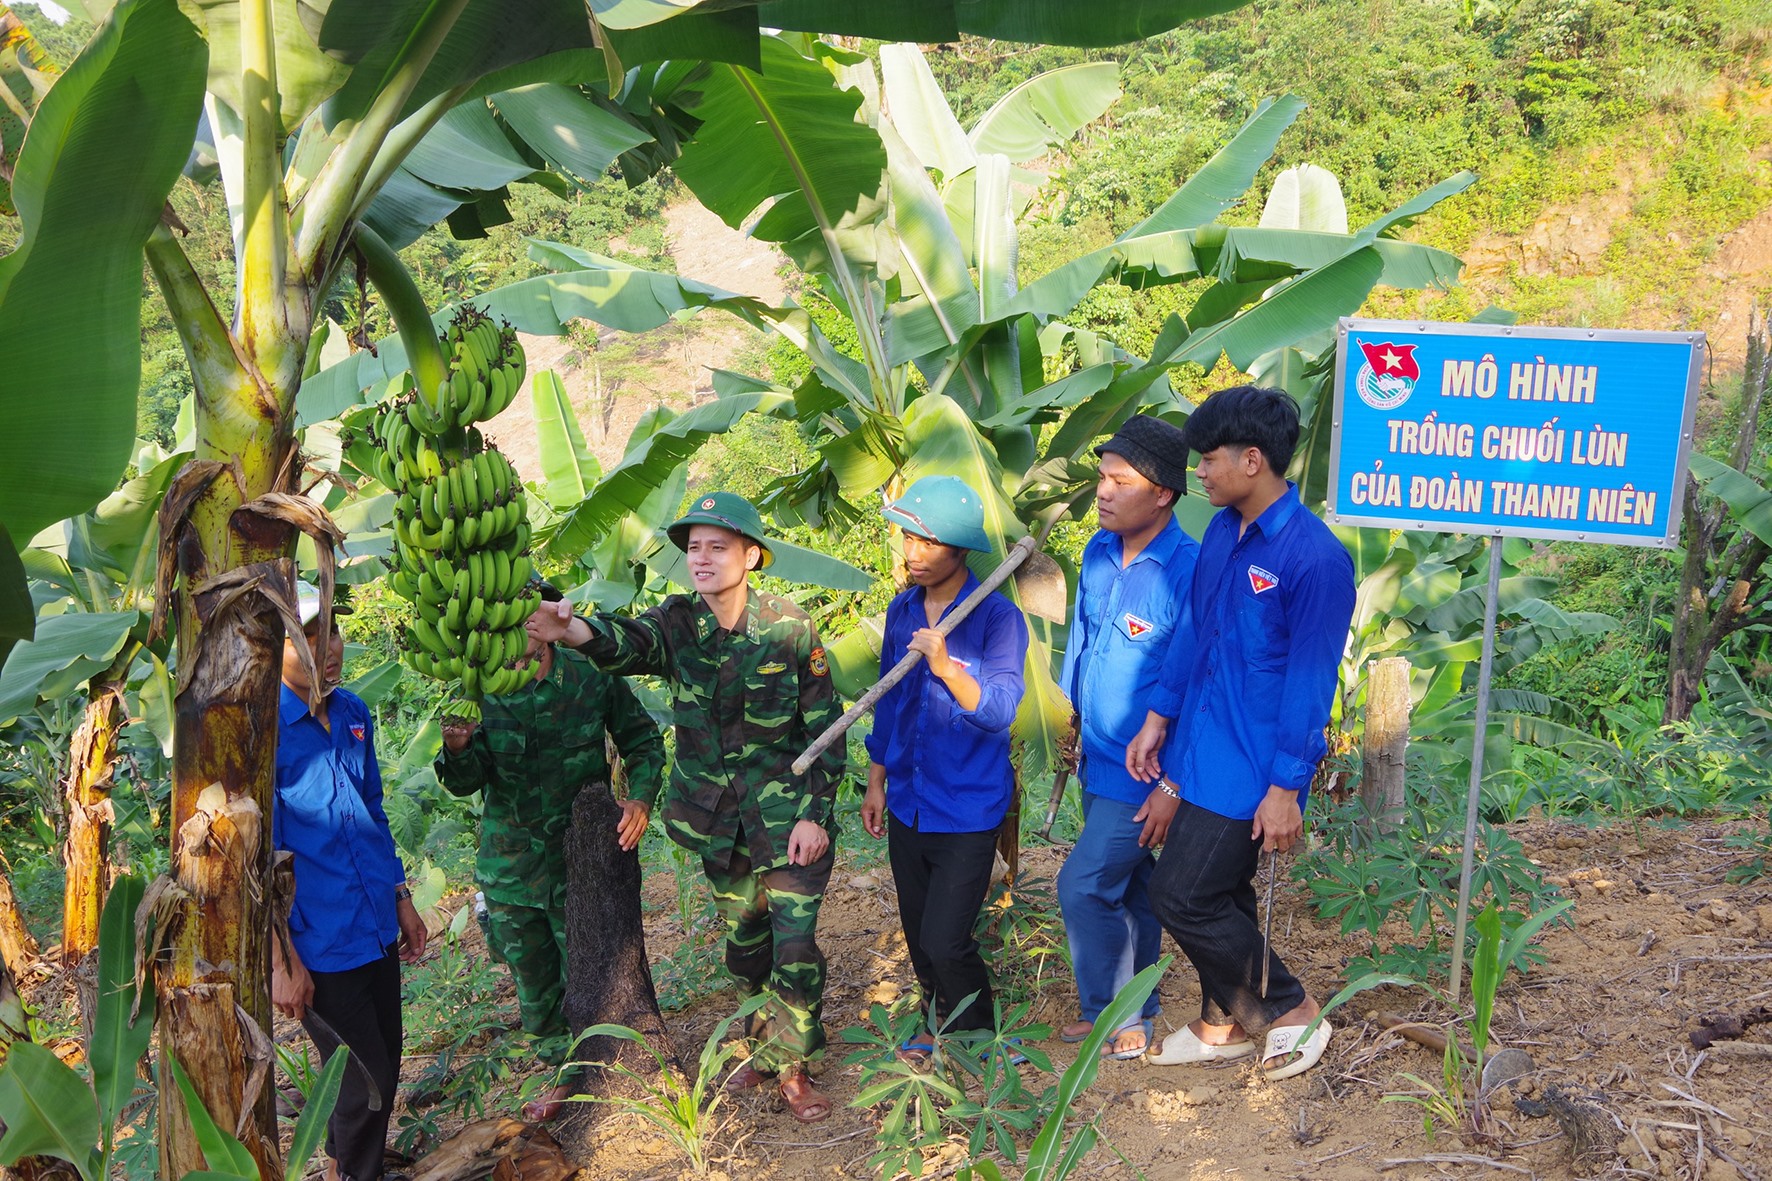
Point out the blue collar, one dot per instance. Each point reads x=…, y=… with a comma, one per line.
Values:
x=920, y=595
x=291, y=708
x=1162, y=547
x=1274, y=517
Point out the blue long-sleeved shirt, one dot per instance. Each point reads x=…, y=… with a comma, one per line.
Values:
x=1121, y=627
x=947, y=768
x=1251, y=674
x=328, y=813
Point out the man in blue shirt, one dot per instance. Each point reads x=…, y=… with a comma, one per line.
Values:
x=352, y=911
x=1249, y=680
x=1131, y=591
x=939, y=779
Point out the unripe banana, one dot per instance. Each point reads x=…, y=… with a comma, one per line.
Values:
x=427, y=635
x=501, y=573
x=470, y=481
x=451, y=625
x=429, y=611
x=446, y=541
x=431, y=503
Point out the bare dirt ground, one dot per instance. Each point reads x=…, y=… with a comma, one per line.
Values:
x=1659, y=941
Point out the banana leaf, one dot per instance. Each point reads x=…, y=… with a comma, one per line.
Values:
x=1748, y=501
x=91, y=182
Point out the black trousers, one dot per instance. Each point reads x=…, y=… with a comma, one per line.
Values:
x=362, y=1006
x=1203, y=892
x=942, y=879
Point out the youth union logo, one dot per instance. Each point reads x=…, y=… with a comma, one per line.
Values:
x=1389, y=375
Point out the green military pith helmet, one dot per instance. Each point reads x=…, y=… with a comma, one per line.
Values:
x=728, y=510
x=943, y=509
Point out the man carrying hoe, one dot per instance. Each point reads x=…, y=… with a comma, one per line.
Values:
x=1248, y=682
x=940, y=779
x=750, y=688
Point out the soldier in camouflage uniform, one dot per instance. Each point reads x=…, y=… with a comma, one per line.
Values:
x=529, y=757
x=749, y=690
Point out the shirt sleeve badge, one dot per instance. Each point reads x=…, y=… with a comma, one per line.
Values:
x=819, y=665
x=1261, y=580
x=1136, y=627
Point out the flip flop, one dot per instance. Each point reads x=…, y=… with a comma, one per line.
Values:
x=1283, y=1043
x=803, y=1099
x=746, y=1077
x=1109, y=1054
x=1011, y=1055
x=1184, y=1046
x=1065, y=1036
x=916, y=1052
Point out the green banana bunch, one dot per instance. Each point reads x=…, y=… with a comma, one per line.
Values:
x=460, y=517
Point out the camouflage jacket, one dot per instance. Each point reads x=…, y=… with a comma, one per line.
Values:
x=745, y=703
x=534, y=750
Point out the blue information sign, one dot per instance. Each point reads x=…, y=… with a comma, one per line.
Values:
x=1565, y=433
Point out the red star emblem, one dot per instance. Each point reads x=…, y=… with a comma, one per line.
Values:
x=1391, y=360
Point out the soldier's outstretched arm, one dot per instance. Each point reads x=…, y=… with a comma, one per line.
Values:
x=619, y=644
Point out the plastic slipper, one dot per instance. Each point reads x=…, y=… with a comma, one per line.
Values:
x=1011, y=1055
x=1109, y=1054
x=746, y=1077
x=1183, y=1046
x=1283, y=1044
x=803, y=1099
x=1065, y=1035
x=915, y=1051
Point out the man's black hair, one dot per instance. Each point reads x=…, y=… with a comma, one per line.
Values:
x=1247, y=416
x=549, y=592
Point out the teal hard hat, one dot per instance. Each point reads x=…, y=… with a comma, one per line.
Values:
x=728, y=510
x=941, y=508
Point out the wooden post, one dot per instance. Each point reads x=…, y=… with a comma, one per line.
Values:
x=1386, y=742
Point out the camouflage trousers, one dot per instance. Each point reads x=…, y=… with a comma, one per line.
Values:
x=770, y=916
x=531, y=940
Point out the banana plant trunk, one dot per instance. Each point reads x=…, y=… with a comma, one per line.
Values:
x=86, y=855
x=212, y=994
x=18, y=950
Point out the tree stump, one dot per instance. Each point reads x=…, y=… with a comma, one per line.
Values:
x=608, y=978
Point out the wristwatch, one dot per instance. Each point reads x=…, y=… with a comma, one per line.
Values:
x=402, y=894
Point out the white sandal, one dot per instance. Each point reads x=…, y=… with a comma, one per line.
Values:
x=1184, y=1046
x=1283, y=1044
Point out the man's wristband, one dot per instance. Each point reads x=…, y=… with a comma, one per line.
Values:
x=402, y=894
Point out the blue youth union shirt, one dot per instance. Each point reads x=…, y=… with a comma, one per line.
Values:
x=947, y=768
x=1124, y=619
x=1251, y=676
x=328, y=813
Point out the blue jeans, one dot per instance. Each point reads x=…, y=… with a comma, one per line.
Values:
x=1204, y=893
x=1107, y=915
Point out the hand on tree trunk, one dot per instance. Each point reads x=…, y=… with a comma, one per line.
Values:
x=632, y=825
